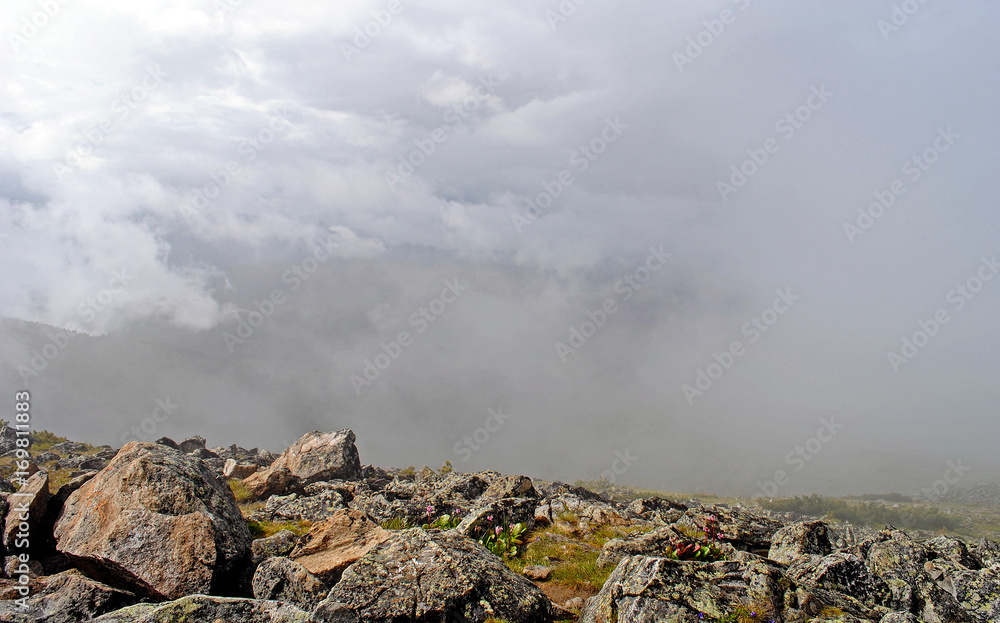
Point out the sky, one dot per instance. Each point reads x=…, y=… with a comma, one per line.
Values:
x=727, y=246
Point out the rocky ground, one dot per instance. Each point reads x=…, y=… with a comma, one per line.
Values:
x=166, y=531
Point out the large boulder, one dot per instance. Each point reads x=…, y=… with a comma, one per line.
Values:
x=322, y=456
x=418, y=576
x=285, y=580
x=800, y=540
x=336, y=543
x=645, y=589
x=158, y=522
x=201, y=608
x=67, y=597
x=29, y=503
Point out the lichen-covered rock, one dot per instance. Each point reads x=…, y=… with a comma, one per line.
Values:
x=271, y=481
x=322, y=456
x=29, y=503
x=281, y=579
x=158, y=522
x=336, y=543
x=841, y=573
x=278, y=544
x=976, y=591
x=645, y=589
x=742, y=528
x=234, y=469
x=898, y=617
x=894, y=555
x=192, y=444
x=317, y=502
x=505, y=511
x=418, y=576
x=66, y=597
x=649, y=544
x=799, y=540
x=204, y=609
x=947, y=548
x=657, y=510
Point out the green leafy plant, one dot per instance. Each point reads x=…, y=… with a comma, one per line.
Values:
x=447, y=468
x=503, y=540
x=699, y=546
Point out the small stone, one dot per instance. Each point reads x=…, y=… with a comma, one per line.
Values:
x=537, y=572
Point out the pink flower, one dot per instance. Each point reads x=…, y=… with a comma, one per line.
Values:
x=498, y=529
x=430, y=509
x=489, y=518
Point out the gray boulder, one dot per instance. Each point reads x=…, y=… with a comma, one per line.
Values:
x=799, y=540
x=419, y=576
x=646, y=589
x=285, y=580
x=201, y=608
x=67, y=597
x=158, y=522
x=278, y=544
x=322, y=456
